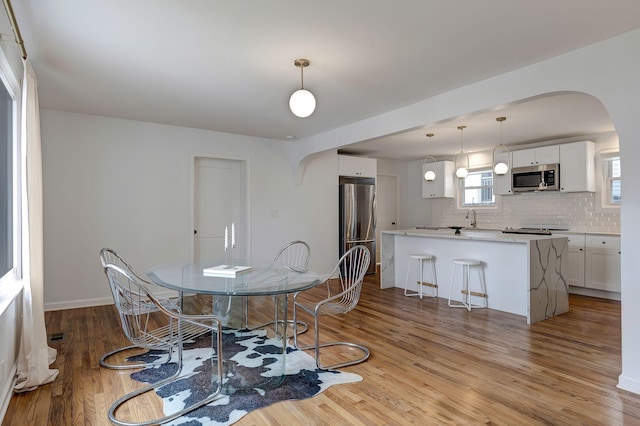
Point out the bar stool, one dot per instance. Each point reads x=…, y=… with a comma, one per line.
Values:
x=421, y=258
x=467, y=264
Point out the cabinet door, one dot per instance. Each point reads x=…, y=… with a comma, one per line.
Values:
x=347, y=165
x=534, y=156
x=524, y=157
x=575, y=265
x=548, y=154
x=442, y=185
x=357, y=166
x=577, y=167
x=367, y=167
x=603, y=263
x=576, y=261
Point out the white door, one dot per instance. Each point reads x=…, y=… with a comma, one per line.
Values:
x=219, y=201
x=386, y=206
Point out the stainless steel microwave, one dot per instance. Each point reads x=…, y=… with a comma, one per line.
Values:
x=542, y=177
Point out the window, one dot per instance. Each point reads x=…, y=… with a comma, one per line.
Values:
x=477, y=189
x=612, y=181
x=6, y=182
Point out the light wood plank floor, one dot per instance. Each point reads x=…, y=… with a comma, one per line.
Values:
x=430, y=364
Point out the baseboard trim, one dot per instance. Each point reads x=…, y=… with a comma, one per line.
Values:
x=628, y=384
x=74, y=304
x=7, y=392
x=592, y=292
x=87, y=303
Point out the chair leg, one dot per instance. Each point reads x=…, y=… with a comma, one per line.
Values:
x=104, y=363
x=153, y=386
x=317, y=345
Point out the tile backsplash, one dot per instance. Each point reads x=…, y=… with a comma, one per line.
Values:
x=575, y=211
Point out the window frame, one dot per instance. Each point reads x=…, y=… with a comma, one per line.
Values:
x=10, y=282
x=461, y=190
x=607, y=179
x=607, y=152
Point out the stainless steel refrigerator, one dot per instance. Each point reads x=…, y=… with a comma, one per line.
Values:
x=358, y=215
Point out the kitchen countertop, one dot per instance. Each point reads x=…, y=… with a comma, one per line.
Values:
x=473, y=234
x=561, y=232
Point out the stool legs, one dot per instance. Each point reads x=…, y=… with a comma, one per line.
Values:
x=421, y=281
x=466, y=293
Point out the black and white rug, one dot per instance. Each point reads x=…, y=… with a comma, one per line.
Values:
x=249, y=355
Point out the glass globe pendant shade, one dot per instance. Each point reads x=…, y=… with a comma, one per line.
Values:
x=429, y=175
x=501, y=168
x=302, y=103
x=462, y=172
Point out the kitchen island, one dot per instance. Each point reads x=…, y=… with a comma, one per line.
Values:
x=525, y=274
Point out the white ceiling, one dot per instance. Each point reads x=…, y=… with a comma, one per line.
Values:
x=228, y=65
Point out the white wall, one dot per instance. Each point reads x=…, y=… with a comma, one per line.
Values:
x=127, y=185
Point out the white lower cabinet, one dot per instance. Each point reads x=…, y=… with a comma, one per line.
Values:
x=602, y=263
x=575, y=273
x=594, y=261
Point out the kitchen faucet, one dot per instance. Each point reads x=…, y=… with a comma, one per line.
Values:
x=473, y=222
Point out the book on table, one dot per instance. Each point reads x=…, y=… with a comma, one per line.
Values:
x=225, y=270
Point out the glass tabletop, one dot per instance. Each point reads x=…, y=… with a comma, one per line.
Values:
x=270, y=280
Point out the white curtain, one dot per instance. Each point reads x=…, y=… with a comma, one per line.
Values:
x=35, y=355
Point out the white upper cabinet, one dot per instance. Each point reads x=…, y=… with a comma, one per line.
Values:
x=442, y=185
x=577, y=167
x=535, y=156
x=357, y=166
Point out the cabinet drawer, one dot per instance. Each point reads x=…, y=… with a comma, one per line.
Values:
x=575, y=240
x=608, y=242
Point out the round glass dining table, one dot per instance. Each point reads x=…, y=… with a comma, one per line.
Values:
x=273, y=280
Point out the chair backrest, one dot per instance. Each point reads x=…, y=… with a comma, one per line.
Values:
x=110, y=257
x=351, y=269
x=294, y=256
x=132, y=299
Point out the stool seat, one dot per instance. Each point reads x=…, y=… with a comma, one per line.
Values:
x=468, y=262
x=421, y=258
x=467, y=293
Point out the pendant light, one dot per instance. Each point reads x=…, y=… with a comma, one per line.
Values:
x=302, y=102
x=430, y=173
x=462, y=171
x=500, y=168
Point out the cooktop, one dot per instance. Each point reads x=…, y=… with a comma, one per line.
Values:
x=532, y=231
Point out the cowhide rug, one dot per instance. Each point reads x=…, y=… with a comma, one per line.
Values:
x=248, y=355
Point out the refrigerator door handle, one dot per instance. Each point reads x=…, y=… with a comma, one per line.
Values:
x=359, y=241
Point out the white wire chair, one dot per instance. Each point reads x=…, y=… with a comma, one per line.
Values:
x=351, y=269
x=294, y=256
x=110, y=257
x=171, y=330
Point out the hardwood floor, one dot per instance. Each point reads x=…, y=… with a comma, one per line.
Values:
x=430, y=364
